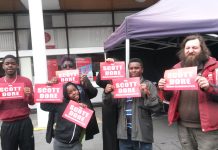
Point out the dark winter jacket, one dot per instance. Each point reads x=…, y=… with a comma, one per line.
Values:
x=86, y=94
x=142, y=107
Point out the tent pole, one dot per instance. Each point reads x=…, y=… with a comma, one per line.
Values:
x=127, y=56
x=105, y=56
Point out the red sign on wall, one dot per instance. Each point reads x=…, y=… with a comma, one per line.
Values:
x=11, y=91
x=77, y=114
x=126, y=87
x=113, y=70
x=49, y=39
x=181, y=79
x=68, y=76
x=48, y=94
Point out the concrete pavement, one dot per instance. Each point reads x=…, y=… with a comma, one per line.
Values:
x=165, y=137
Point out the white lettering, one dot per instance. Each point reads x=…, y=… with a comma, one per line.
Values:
x=48, y=90
x=111, y=68
x=126, y=90
x=10, y=94
x=126, y=84
x=10, y=89
x=71, y=79
x=180, y=74
x=48, y=96
x=179, y=81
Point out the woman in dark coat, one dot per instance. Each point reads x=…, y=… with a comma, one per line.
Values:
x=109, y=120
x=67, y=134
x=87, y=90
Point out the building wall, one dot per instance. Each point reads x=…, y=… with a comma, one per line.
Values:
x=86, y=32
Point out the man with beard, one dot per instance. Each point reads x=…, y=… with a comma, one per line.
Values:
x=195, y=111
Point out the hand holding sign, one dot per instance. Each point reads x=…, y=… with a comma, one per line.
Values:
x=83, y=78
x=109, y=60
x=82, y=105
x=161, y=83
x=54, y=80
x=145, y=89
x=202, y=82
x=109, y=88
x=27, y=90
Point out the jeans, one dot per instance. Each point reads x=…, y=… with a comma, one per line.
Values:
x=134, y=145
x=195, y=139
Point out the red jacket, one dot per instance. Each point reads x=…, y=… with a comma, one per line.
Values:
x=208, y=106
x=12, y=110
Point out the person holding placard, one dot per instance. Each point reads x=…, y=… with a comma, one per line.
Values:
x=109, y=117
x=68, y=135
x=17, y=127
x=89, y=91
x=67, y=63
x=134, y=128
x=195, y=110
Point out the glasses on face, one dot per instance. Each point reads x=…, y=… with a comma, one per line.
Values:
x=67, y=66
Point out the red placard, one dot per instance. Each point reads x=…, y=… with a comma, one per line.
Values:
x=68, y=76
x=77, y=114
x=126, y=87
x=181, y=79
x=217, y=76
x=113, y=70
x=11, y=91
x=80, y=62
x=52, y=66
x=48, y=94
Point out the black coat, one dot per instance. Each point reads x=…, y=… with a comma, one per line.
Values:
x=86, y=94
x=65, y=131
x=109, y=121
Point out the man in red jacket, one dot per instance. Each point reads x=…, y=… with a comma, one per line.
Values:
x=195, y=111
x=17, y=128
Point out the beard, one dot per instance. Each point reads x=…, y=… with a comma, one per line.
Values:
x=193, y=60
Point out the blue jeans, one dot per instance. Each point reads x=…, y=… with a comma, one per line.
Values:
x=134, y=145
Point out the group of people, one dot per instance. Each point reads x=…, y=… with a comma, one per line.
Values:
x=17, y=128
x=127, y=122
